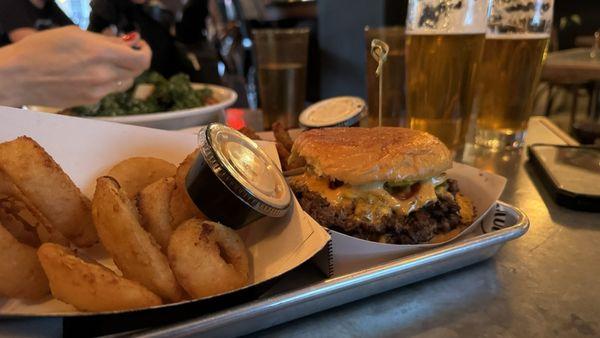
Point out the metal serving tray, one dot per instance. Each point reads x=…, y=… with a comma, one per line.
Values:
x=328, y=293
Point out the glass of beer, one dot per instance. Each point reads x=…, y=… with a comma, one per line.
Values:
x=393, y=100
x=444, y=43
x=515, y=47
x=282, y=56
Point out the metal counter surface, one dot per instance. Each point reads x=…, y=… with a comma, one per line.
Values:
x=545, y=284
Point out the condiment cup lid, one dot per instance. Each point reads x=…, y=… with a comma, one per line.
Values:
x=245, y=169
x=343, y=111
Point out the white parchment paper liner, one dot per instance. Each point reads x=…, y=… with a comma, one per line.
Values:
x=86, y=149
x=346, y=254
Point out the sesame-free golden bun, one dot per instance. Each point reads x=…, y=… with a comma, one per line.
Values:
x=366, y=155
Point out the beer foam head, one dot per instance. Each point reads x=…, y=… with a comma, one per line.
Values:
x=516, y=36
x=522, y=17
x=447, y=16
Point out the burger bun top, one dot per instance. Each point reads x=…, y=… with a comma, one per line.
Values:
x=366, y=155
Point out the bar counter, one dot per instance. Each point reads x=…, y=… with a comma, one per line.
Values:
x=544, y=284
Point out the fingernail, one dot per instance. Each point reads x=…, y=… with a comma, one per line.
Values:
x=130, y=36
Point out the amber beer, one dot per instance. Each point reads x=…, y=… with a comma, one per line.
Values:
x=441, y=71
x=282, y=56
x=510, y=70
x=282, y=92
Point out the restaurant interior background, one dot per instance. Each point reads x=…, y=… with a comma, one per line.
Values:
x=337, y=62
x=478, y=283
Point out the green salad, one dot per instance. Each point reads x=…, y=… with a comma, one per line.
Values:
x=150, y=93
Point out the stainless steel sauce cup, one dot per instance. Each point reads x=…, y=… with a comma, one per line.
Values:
x=343, y=111
x=233, y=181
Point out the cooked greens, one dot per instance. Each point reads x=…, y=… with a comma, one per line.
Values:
x=175, y=93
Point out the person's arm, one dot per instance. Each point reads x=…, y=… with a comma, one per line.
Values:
x=66, y=67
x=9, y=95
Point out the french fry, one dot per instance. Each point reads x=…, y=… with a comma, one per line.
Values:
x=250, y=133
x=282, y=136
x=295, y=162
x=284, y=154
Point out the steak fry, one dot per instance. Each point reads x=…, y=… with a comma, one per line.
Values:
x=133, y=250
x=90, y=286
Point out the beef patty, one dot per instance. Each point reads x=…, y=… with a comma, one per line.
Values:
x=419, y=226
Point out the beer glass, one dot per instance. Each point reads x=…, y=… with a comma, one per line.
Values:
x=282, y=56
x=393, y=101
x=444, y=43
x=515, y=46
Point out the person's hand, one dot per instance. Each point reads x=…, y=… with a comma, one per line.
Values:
x=65, y=67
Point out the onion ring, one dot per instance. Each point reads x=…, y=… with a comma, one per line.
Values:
x=181, y=205
x=208, y=258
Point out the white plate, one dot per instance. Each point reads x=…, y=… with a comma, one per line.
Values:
x=174, y=119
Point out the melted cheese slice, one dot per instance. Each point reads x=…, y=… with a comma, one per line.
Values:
x=372, y=200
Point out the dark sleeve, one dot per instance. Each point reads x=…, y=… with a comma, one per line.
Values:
x=16, y=14
x=97, y=23
x=193, y=21
x=59, y=18
x=101, y=14
x=109, y=12
x=4, y=40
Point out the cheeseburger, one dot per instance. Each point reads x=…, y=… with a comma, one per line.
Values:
x=381, y=184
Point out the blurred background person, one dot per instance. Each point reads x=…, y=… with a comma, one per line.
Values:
x=20, y=18
x=174, y=31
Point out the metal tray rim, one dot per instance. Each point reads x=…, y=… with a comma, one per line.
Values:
x=335, y=285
